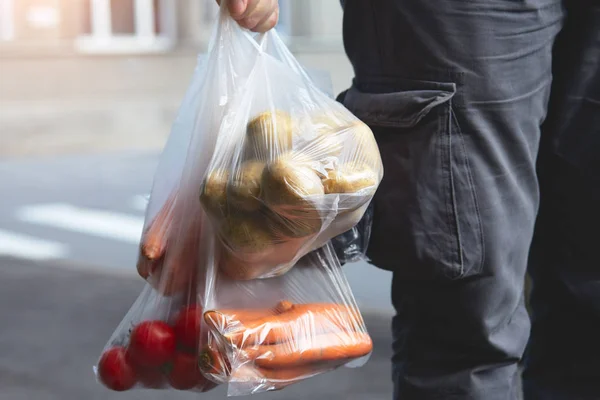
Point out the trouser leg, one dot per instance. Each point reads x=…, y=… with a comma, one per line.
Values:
x=455, y=93
x=563, y=357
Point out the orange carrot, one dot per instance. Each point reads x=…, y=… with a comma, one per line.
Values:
x=284, y=306
x=223, y=320
x=147, y=267
x=154, y=241
x=285, y=326
x=214, y=363
x=310, y=350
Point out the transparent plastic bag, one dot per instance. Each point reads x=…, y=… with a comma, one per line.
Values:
x=292, y=168
x=351, y=246
x=267, y=334
x=201, y=230
x=158, y=345
x=161, y=339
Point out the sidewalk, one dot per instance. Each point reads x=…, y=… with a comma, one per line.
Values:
x=55, y=321
x=91, y=104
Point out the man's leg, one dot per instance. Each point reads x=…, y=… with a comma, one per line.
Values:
x=455, y=92
x=563, y=357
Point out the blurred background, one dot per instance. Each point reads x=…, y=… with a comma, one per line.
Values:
x=88, y=92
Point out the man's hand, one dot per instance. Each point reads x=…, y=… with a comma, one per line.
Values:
x=256, y=15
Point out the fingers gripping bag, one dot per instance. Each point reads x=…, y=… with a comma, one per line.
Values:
x=161, y=339
x=292, y=168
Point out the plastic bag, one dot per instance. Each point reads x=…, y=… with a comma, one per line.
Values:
x=269, y=333
x=205, y=237
x=160, y=340
x=291, y=169
x=351, y=246
x=157, y=346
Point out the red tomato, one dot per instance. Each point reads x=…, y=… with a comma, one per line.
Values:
x=151, y=378
x=115, y=371
x=187, y=327
x=185, y=373
x=152, y=343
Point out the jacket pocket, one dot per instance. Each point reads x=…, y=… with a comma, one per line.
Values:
x=426, y=220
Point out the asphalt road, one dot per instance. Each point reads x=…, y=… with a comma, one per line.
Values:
x=88, y=211
x=55, y=320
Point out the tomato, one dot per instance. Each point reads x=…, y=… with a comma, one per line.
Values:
x=115, y=371
x=187, y=327
x=185, y=373
x=151, y=378
x=152, y=343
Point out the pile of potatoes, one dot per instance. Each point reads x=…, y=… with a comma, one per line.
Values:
x=298, y=180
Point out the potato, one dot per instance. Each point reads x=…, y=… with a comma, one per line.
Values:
x=270, y=134
x=274, y=263
x=350, y=178
x=245, y=245
x=243, y=190
x=213, y=194
x=283, y=228
x=366, y=150
x=244, y=235
x=287, y=185
x=323, y=147
x=237, y=269
x=330, y=129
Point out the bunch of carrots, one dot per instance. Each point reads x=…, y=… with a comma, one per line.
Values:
x=288, y=342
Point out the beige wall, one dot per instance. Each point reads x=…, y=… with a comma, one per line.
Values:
x=72, y=18
x=37, y=20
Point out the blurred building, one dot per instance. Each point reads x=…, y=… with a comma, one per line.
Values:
x=33, y=27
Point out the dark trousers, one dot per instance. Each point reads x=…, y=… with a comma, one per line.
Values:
x=487, y=115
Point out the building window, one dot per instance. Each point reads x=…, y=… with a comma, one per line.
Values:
x=122, y=17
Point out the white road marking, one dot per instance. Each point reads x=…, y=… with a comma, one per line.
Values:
x=140, y=202
x=107, y=224
x=23, y=246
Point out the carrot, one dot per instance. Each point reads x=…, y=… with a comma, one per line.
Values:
x=147, y=267
x=309, y=350
x=245, y=315
x=154, y=241
x=223, y=320
x=212, y=362
x=284, y=326
x=284, y=306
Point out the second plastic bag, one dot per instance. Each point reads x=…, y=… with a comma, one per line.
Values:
x=267, y=334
